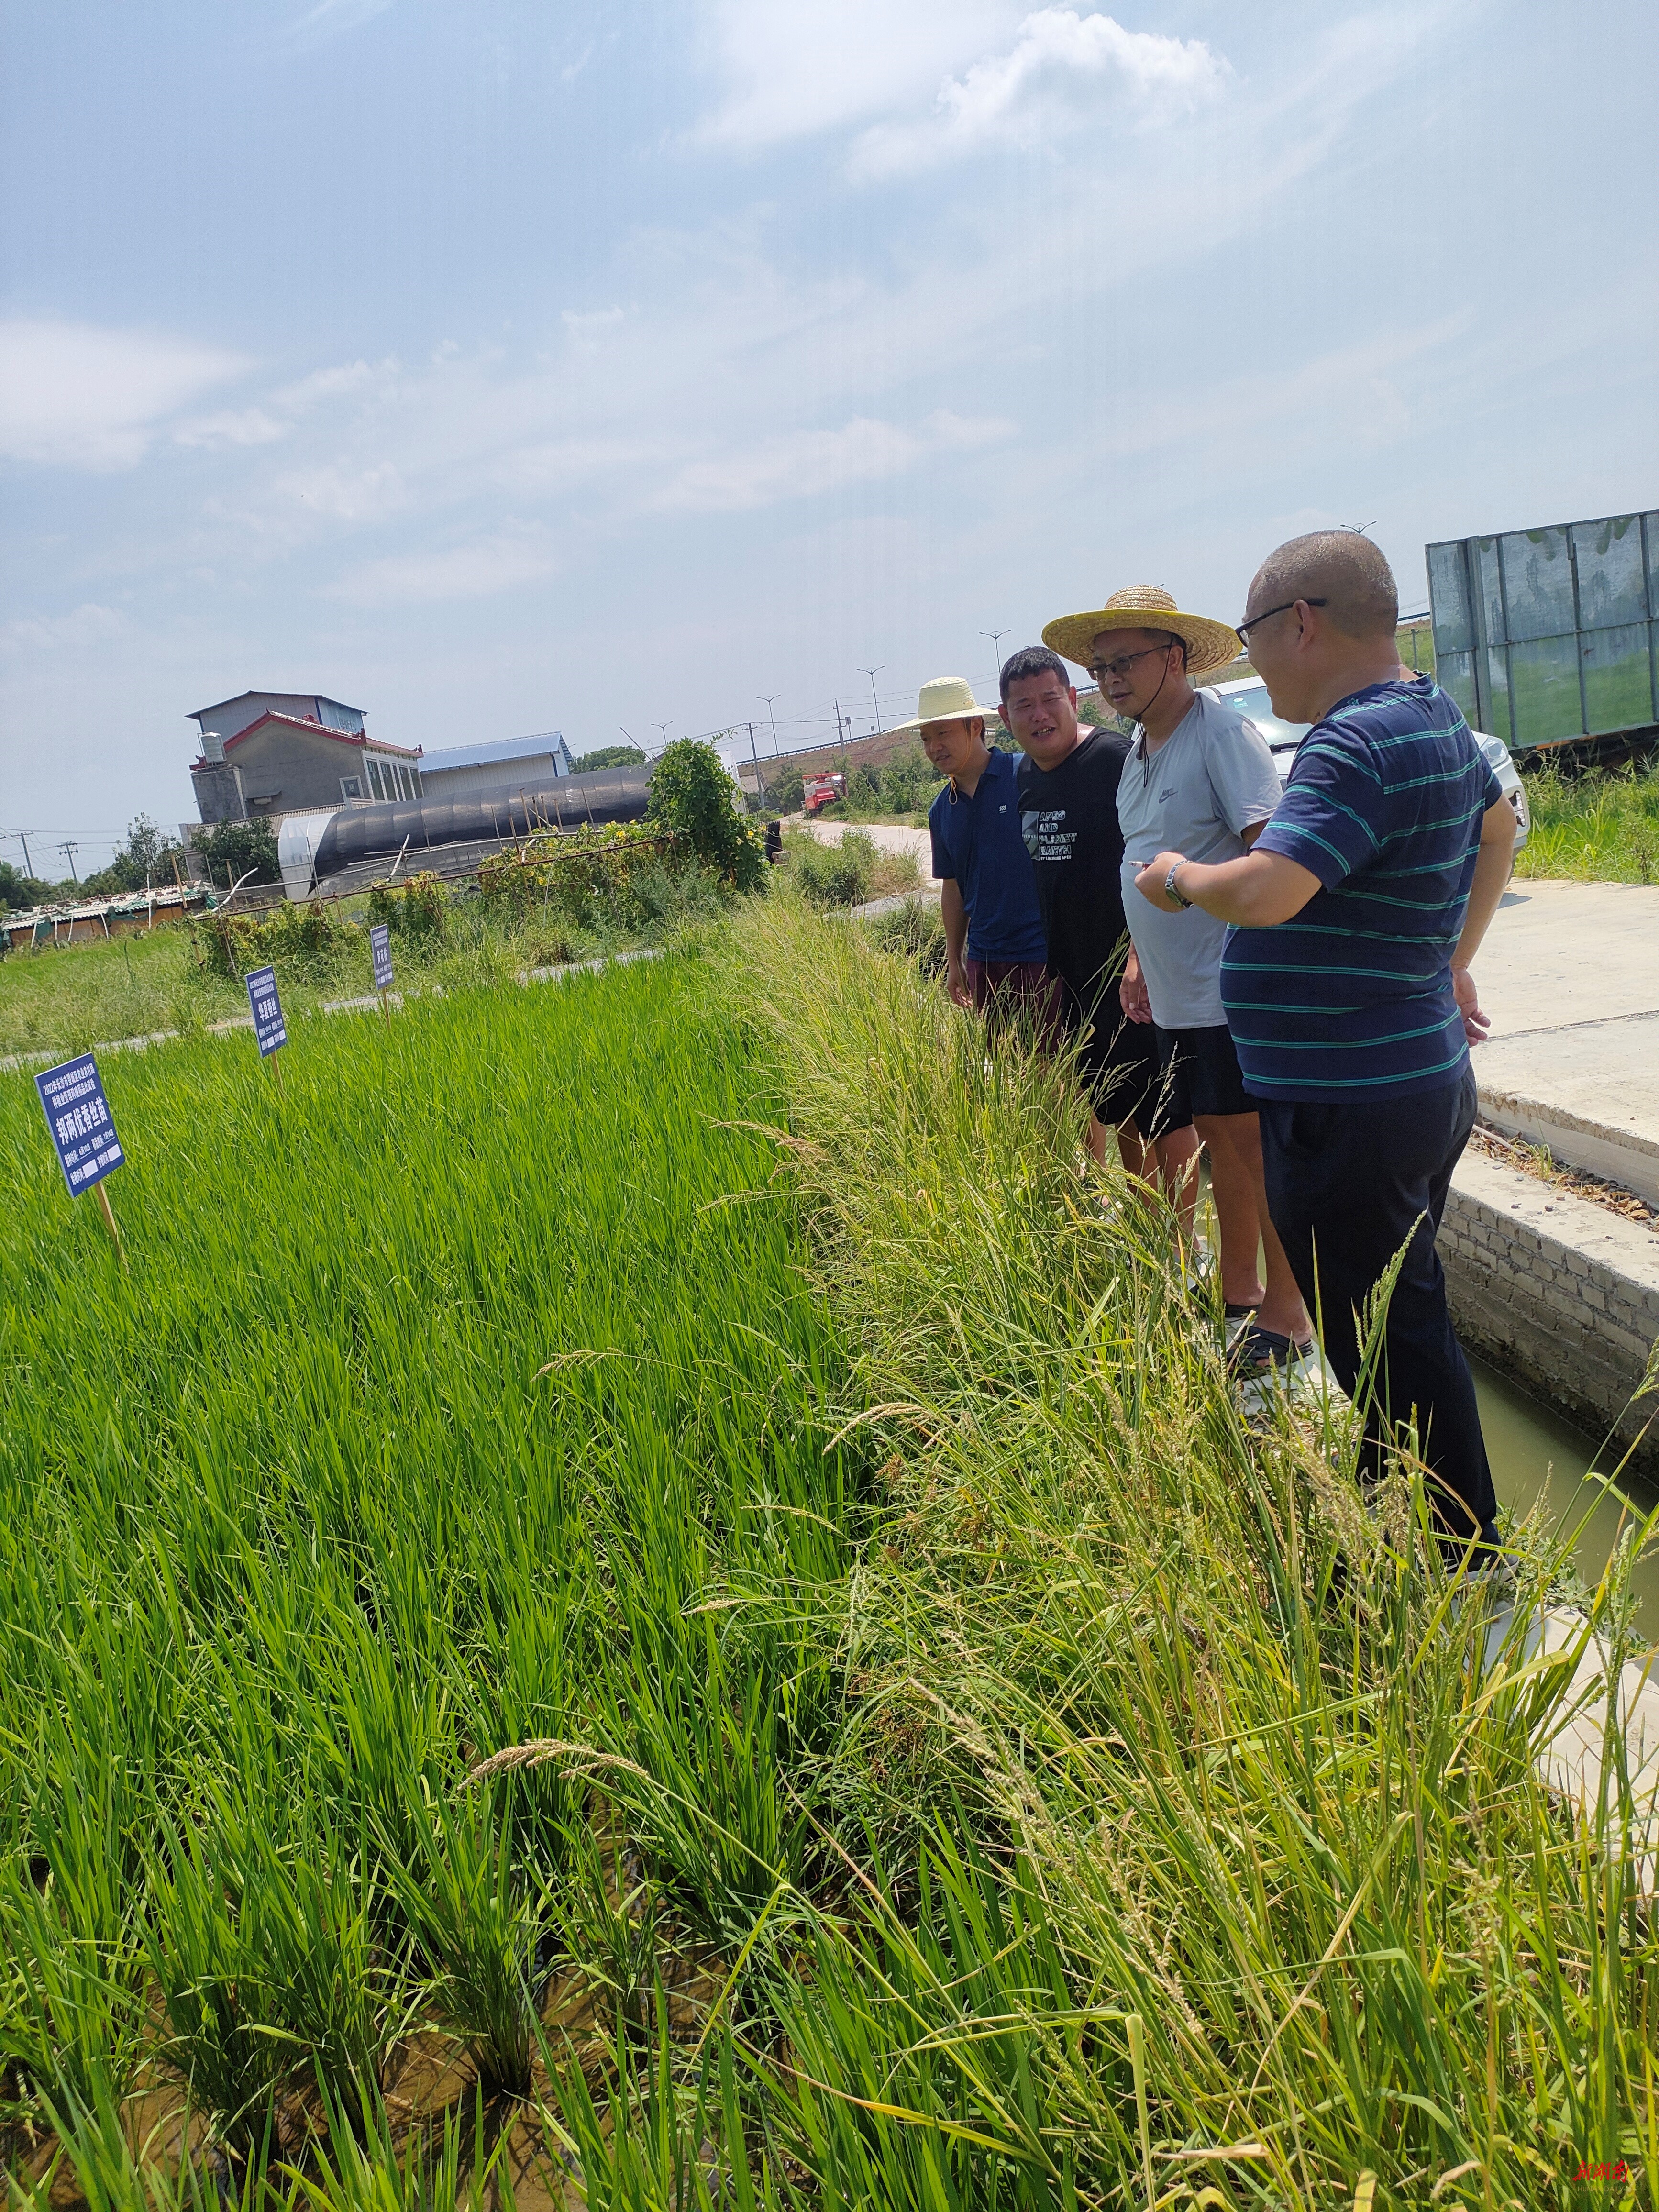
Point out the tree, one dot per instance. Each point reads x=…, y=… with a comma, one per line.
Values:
x=141, y=860
x=693, y=799
x=235, y=849
x=18, y=891
x=608, y=756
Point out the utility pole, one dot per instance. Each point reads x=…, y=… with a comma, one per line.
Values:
x=872, y=674
x=68, y=849
x=767, y=697
x=21, y=836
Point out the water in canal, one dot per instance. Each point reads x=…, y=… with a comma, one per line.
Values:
x=1529, y=1446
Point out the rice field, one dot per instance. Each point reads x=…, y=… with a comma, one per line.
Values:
x=643, y=1593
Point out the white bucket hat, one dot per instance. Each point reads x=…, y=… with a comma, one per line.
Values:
x=946, y=699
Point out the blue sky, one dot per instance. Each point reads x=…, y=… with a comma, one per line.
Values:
x=498, y=367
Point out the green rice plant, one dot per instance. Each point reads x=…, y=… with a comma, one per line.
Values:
x=411, y=1371
x=477, y=1917
x=604, y=1913
x=660, y=2137
x=218, y=2042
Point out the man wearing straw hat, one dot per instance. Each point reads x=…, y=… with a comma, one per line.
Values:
x=994, y=946
x=1199, y=779
x=1068, y=785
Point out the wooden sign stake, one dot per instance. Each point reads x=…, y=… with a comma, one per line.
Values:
x=277, y=1072
x=108, y=1213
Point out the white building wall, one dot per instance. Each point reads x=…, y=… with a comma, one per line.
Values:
x=524, y=772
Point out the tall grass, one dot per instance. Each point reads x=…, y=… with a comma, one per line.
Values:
x=654, y=1594
x=1601, y=826
x=1199, y=1854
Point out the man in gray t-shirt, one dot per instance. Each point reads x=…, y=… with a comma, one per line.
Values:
x=1199, y=779
x=1213, y=779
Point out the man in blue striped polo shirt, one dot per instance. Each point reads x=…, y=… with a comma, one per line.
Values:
x=1346, y=984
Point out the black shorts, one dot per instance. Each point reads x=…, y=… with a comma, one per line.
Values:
x=1202, y=1071
x=1119, y=1068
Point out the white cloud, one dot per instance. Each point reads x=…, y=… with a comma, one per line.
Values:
x=519, y=553
x=248, y=425
x=331, y=19
x=76, y=396
x=591, y=322
x=340, y=494
x=1064, y=70
x=799, y=66
x=801, y=462
x=86, y=625
x=340, y=381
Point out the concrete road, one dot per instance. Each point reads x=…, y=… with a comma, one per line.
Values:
x=1569, y=974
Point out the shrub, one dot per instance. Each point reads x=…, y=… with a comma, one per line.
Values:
x=836, y=875
x=309, y=935
x=786, y=792
x=418, y=907
x=584, y=875
x=694, y=800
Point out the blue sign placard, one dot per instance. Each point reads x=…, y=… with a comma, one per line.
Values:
x=83, y=1128
x=379, y=944
x=268, y=1025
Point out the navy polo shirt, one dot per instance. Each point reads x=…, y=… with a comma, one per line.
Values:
x=1352, y=998
x=978, y=841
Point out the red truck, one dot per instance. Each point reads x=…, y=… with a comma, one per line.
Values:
x=819, y=791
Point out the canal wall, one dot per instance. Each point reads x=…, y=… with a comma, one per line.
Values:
x=1559, y=1293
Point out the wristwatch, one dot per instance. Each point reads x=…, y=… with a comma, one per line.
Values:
x=1172, y=889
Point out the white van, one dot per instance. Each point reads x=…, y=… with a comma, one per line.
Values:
x=1250, y=699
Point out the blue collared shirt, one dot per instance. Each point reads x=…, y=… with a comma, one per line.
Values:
x=978, y=840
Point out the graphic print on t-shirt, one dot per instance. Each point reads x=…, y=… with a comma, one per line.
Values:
x=1068, y=817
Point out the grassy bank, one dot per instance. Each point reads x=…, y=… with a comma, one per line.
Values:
x=928, y=1751
x=1602, y=826
x=64, y=998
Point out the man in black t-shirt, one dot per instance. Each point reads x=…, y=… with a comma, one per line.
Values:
x=1068, y=788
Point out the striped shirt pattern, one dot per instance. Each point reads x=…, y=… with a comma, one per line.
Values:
x=1352, y=998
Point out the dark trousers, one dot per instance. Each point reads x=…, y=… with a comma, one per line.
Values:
x=1346, y=1186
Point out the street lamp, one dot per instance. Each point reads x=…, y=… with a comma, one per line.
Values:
x=768, y=698
x=872, y=674
x=996, y=637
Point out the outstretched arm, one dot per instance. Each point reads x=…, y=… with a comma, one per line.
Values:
x=1257, y=891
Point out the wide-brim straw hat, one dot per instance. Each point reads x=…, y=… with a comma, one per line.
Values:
x=1146, y=606
x=946, y=699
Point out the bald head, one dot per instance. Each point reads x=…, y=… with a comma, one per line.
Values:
x=1339, y=567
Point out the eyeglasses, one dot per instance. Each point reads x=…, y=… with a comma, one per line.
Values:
x=1245, y=628
x=1100, y=669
